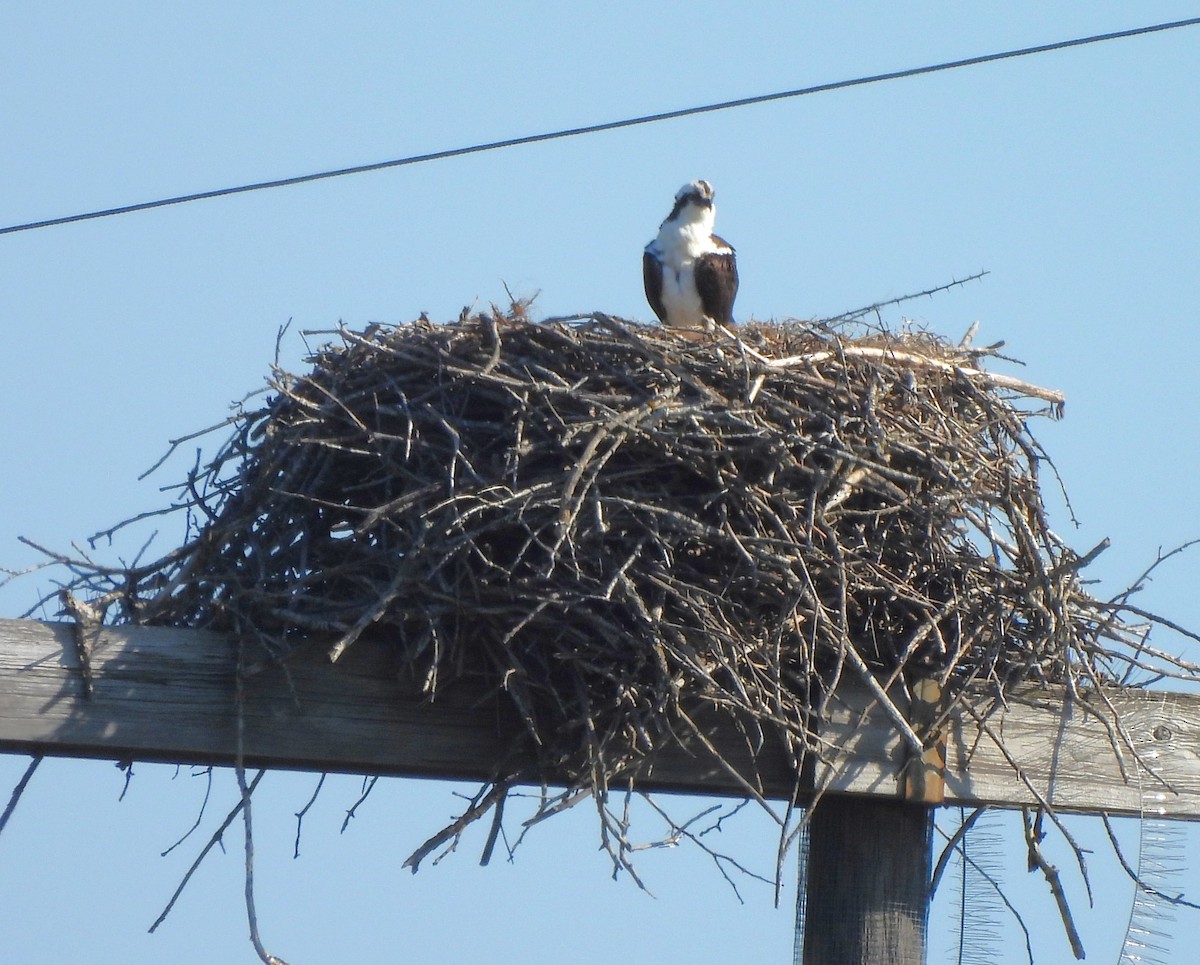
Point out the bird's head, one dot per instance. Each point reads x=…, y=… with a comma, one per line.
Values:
x=699, y=193
x=693, y=202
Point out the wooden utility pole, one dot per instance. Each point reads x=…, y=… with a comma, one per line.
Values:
x=169, y=695
x=867, y=882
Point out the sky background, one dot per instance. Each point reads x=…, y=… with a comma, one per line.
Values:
x=1071, y=177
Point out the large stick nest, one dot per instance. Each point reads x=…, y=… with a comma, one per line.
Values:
x=612, y=524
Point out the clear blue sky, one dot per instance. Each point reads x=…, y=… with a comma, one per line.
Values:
x=1071, y=177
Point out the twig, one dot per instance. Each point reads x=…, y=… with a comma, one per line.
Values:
x=1136, y=878
x=719, y=859
x=199, y=815
x=127, y=768
x=86, y=618
x=454, y=830
x=251, y=915
x=18, y=790
x=212, y=843
x=496, y=829
x=304, y=810
x=368, y=787
x=991, y=380
x=1050, y=872
x=928, y=293
x=952, y=844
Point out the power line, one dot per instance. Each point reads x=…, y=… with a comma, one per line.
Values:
x=604, y=126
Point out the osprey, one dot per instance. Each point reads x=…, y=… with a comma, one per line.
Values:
x=691, y=274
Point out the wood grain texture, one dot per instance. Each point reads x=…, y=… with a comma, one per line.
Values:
x=169, y=695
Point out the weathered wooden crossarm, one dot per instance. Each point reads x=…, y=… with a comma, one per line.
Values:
x=169, y=695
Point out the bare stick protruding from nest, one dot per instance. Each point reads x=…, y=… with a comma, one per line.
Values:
x=18, y=790
x=213, y=841
x=1033, y=841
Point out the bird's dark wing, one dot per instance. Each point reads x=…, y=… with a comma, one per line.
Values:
x=717, y=283
x=652, y=278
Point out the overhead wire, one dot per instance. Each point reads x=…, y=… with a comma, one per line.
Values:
x=603, y=126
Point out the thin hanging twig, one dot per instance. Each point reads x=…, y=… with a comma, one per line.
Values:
x=18, y=790
x=213, y=841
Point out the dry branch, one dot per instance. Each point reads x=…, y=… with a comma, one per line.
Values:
x=18, y=790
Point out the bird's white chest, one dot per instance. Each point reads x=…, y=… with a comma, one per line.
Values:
x=681, y=300
x=677, y=252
